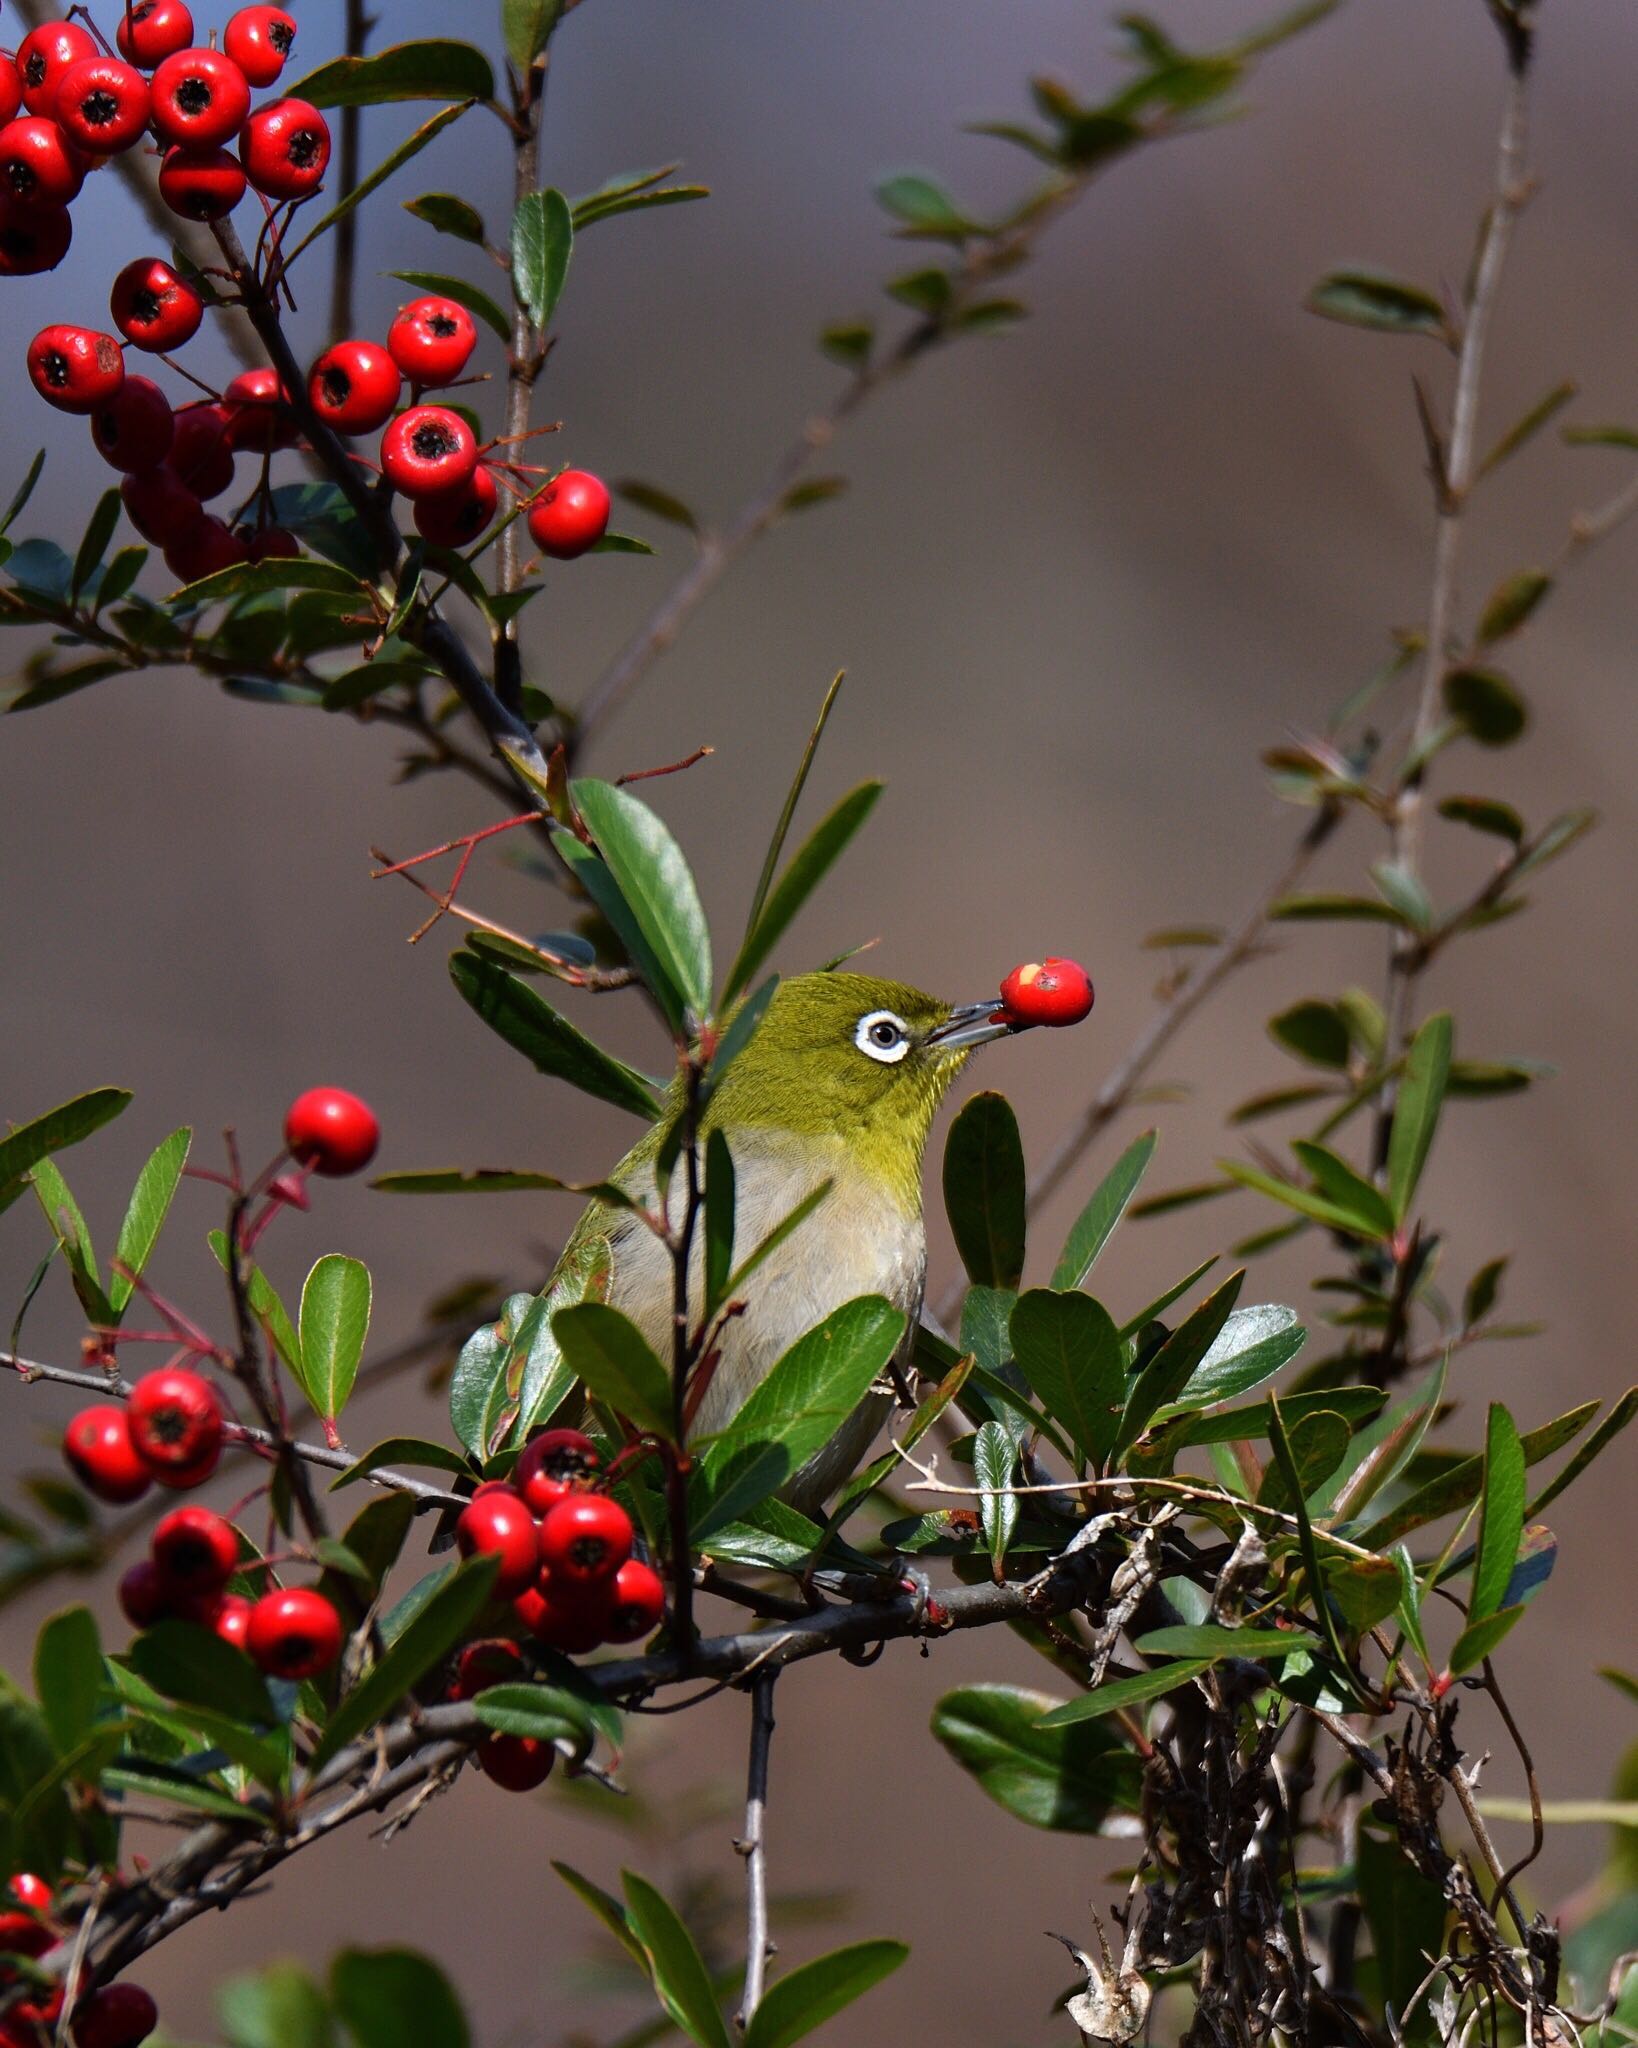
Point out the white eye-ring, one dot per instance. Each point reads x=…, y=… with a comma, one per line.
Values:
x=882, y=1036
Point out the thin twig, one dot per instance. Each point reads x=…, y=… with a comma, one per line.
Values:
x=344, y=254
x=753, y=1845
x=526, y=359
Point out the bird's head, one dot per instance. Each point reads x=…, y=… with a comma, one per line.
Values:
x=849, y=1057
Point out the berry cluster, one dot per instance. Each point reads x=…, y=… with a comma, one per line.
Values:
x=170, y=1431
x=117, y=2016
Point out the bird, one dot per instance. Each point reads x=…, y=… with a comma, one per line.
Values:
x=840, y=1082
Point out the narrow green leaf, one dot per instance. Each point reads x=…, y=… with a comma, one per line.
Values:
x=923, y=204
x=1304, y=1200
x=489, y=1180
x=1529, y=425
x=791, y=1221
x=793, y=796
x=545, y=1712
x=1339, y=1183
x=1314, y=1031
x=68, y=1675
x=804, y=1998
x=194, y=1665
x=448, y=215
x=1174, y=1364
x=613, y=1357
x=1317, y=1443
x=394, y=160
x=1460, y=1484
x=1479, y=1638
x=1511, y=603
x=526, y=26
x=531, y=1026
x=654, y=879
x=334, y=1321
x=145, y=1215
x=1325, y=908
x=1067, y=1348
x=464, y=294
x=681, y=1979
x=607, y=1909
x=587, y=212
x=807, y=868
x=984, y=1190
x=1484, y=814
x=1606, y=1432
x=432, y=70
x=1175, y=1292
x=25, y=491
x=1211, y=1641
x=994, y=1456
x=1486, y=704
x=1126, y=1692
x=403, y=1450
x=164, y=1782
x=542, y=242
x=270, y=1311
x=719, y=1220
x=1286, y=1460
x=1251, y=1347
x=1416, y=1110
x=741, y=1029
x=57, y=1129
x=62, y=1212
x=1066, y=1779
x=1501, y=1514
x=99, y=531
x=1095, y=1224
x=1370, y=298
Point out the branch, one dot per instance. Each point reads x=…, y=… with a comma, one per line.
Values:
x=525, y=361
x=753, y=1846
x=344, y=254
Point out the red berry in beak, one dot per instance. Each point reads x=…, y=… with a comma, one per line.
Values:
x=1050, y=991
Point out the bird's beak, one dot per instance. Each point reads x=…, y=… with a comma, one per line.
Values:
x=971, y=1024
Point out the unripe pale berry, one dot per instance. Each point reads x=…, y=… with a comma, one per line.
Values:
x=44, y=55
x=134, y=430
x=200, y=98
x=1050, y=991
x=201, y=184
x=258, y=39
x=584, y=1540
x=498, y=1524
x=570, y=515
x=176, y=1423
x=152, y=30
x=332, y=1131
x=154, y=308
x=294, y=1632
x=39, y=165
x=432, y=339
x=354, y=387
x=454, y=519
x=102, y=104
x=98, y=1446
x=428, y=449
x=285, y=149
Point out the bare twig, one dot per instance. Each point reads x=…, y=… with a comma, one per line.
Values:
x=344, y=254
x=525, y=360
x=753, y=1845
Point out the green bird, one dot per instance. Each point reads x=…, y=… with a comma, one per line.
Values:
x=839, y=1083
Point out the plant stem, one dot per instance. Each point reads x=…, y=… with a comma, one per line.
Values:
x=525, y=361
x=753, y=1845
x=344, y=254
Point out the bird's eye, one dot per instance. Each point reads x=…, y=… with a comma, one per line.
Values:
x=882, y=1036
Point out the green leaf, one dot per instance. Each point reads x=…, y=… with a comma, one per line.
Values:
x=741, y=1029
x=994, y=1456
x=1485, y=704
x=1286, y=1461
x=655, y=882
x=25, y=491
x=1484, y=814
x=431, y=70
x=984, y=1190
x=269, y=1310
x=1479, y=1638
x=99, y=531
x=1061, y=1778
x=68, y=1675
x=1322, y=908
x=62, y=1212
x=1459, y=1484
x=1406, y=893
x=394, y=1998
x=607, y=1909
x=1405, y=1912
x=194, y=1665
x=164, y=1782
x=542, y=243
x=260, y=579
x=804, y=1998
x=1251, y=1347
x=1339, y=1183
x=923, y=205
x=1318, y=1443
x=793, y=796
x=848, y=342
x=1095, y=1224
x=1370, y=298
x=437, y=1624
x=796, y=1410
x=490, y=1180
x=808, y=866
x=681, y=1980
x=791, y=1221
x=545, y=1712
x=1067, y=1348
x=1210, y=1642
x=1175, y=1363
x=719, y=1220
x=586, y=212
x=279, y=2007
x=67, y=1124
x=449, y=215
x=1501, y=1515
x=1416, y=1110
x=613, y=1357
x=335, y=1319
x=1304, y=1200
x=1126, y=1692
x=1606, y=1432
x=1314, y=1031
x=526, y=26
x=402, y=1450
x=464, y=294
x=394, y=160
x=1529, y=425
x=531, y=1026
x=145, y=1215
x=1511, y=603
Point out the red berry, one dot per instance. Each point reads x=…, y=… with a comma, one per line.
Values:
x=570, y=515
x=44, y=55
x=201, y=453
x=98, y=1446
x=1050, y=991
x=133, y=431
x=570, y=1622
x=32, y=238
x=517, y=1763
x=22, y=1935
x=267, y=544
x=117, y=2016
x=454, y=519
x=331, y=1131
x=428, y=449
x=553, y=1465
x=285, y=149
x=152, y=30
x=144, y=1597
x=585, y=1540
x=31, y=1891
x=74, y=368
x=494, y=1661
x=201, y=184
x=196, y=1551
x=176, y=1420
x=39, y=165
x=102, y=104
x=294, y=1633
x=258, y=412
x=200, y=98
x=499, y=1524
x=354, y=387
x=230, y=1618
x=160, y=506
x=431, y=340
x=638, y=1602
x=11, y=86
x=258, y=40
x=154, y=308
x=201, y=551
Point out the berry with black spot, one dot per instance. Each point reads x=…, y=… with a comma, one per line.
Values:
x=196, y=1551
x=498, y=1524
x=258, y=39
x=160, y=506
x=561, y=1618
x=354, y=387
x=570, y=515
x=294, y=1632
x=44, y=55
x=258, y=412
x=117, y=2016
x=202, y=551
x=553, y=1465
x=176, y=1420
x=201, y=184
x=454, y=519
x=154, y=308
x=133, y=431
x=144, y=1597
x=31, y=1892
x=428, y=449
x=1049, y=991
x=33, y=239
x=637, y=1602
x=432, y=339
x=332, y=1131
x=584, y=1540
x=285, y=149
x=152, y=30
x=202, y=453
x=11, y=87
x=102, y=1455
x=200, y=98
x=39, y=165
x=270, y=544
x=102, y=104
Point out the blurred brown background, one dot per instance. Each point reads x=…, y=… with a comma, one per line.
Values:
x=1082, y=576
